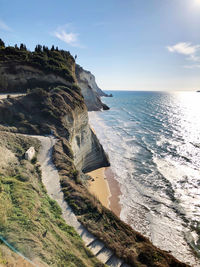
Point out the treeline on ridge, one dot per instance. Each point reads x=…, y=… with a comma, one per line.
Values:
x=52, y=60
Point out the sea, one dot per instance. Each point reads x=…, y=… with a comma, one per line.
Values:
x=153, y=142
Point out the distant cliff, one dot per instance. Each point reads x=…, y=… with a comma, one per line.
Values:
x=91, y=92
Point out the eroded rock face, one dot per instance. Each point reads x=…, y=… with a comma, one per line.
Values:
x=67, y=104
x=18, y=78
x=91, y=92
x=62, y=112
x=15, y=77
x=88, y=152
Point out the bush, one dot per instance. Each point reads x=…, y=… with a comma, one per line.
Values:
x=34, y=160
x=22, y=177
x=38, y=170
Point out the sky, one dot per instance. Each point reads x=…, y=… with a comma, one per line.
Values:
x=126, y=44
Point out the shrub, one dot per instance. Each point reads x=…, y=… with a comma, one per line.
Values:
x=34, y=160
x=22, y=177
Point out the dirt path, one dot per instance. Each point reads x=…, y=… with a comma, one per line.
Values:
x=3, y=96
x=50, y=179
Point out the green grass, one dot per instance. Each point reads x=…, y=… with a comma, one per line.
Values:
x=31, y=221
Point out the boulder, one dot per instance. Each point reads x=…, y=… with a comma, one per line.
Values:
x=30, y=153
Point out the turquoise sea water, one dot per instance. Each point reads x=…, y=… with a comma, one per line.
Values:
x=153, y=141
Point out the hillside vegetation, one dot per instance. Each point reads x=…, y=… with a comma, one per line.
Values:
x=29, y=220
x=52, y=60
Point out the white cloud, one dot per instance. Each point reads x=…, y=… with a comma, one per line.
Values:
x=66, y=36
x=4, y=26
x=191, y=52
x=184, y=48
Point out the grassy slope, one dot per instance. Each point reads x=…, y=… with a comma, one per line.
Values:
x=26, y=212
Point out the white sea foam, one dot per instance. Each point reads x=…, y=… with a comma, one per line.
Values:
x=158, y=178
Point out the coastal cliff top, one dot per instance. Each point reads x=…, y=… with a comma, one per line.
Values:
x=58, y=62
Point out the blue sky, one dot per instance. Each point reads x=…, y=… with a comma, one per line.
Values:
x=126, y=44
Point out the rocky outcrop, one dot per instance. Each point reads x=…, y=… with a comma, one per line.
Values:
x=30, y=153
x=91, y=92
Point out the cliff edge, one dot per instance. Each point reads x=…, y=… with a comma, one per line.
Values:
x=91, y=92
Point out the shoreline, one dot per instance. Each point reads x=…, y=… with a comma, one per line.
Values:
x=114, y=199
x=99, y=187
x=108, y=190
x=104, y=186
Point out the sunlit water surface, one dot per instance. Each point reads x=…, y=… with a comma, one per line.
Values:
x=153, y=140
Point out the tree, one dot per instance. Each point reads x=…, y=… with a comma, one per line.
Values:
x=52, y=48
x=38, y=48
x=23, y=47
x=45, y=48
x=2, y=44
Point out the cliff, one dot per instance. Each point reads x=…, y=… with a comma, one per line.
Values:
x=22, y=70
x=91, y=92
x=88, y=152
x=58, y=108
x=18, y=77
x=63, y=112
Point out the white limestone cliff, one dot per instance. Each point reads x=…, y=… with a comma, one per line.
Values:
x=90, y=90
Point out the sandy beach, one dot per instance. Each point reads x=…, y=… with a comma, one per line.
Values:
x=98, y=186
x=105, y=187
